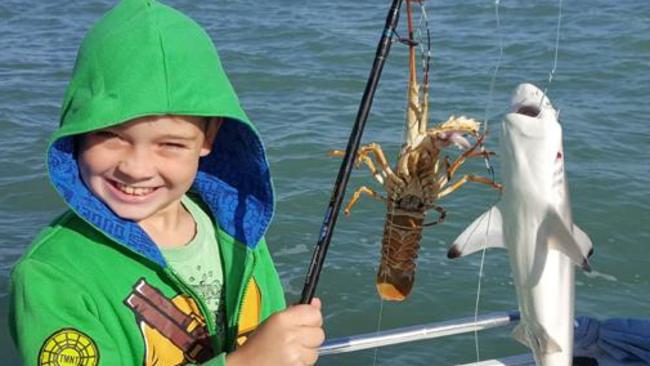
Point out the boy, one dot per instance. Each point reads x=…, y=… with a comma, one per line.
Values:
x=161, y=259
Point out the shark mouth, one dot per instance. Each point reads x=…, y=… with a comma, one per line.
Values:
x=528, y=100
x=528, y=110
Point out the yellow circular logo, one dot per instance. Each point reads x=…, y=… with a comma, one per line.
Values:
x=68, y=347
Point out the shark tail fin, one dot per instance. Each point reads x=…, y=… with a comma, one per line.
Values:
x=536, y=338
x=485, y=232
x=573, y=242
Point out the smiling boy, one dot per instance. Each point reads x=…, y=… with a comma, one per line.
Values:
x=140, y=169
x=161, y=258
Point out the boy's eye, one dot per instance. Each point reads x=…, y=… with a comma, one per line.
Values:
x=174, y=145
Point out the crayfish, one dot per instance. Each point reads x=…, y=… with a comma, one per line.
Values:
x=422, y=176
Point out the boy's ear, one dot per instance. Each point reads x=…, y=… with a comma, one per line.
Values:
x=212, y=127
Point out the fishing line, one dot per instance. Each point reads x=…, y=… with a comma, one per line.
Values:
x=485, y=131
x=379, y=320
x=426, y=54
x=490, y=169
x=496, y=68
x=391, y=201
x=486, y=123
x=557, y=49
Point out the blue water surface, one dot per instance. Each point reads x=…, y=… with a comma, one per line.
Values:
x=300, y=68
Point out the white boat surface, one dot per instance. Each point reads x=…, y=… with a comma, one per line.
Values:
x=528, y=360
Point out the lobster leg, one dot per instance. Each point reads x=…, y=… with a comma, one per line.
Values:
x=468, y=178
x=441, y=218
x=379, y=174
x=380, y=158
x=357, y=195
x=451, y=169
x=362, y=158
x=470, y=153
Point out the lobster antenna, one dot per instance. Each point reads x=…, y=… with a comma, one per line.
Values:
x=413, y=95
x=426, y=64
x=412, y=82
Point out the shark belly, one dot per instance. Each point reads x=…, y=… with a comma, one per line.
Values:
x=547, y=311
x=544, y=283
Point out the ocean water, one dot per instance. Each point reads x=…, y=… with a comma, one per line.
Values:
x=300, y=69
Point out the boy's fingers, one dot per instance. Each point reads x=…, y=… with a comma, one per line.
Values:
x=306, y=315
x=312, y=337
x=310, y=358
x=316, y=303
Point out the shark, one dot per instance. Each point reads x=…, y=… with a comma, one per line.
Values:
x=533, y=221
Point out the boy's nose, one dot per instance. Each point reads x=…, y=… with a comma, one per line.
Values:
x=136, y=165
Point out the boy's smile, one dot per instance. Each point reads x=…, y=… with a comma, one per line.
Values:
x=128, y=193
x=143, y=167
x=133, y=191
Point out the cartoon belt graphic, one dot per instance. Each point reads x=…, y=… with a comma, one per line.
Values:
x=174, y=331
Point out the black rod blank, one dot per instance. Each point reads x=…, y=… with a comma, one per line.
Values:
x=338, y=193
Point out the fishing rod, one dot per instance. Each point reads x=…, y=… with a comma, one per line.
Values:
x=332, y=212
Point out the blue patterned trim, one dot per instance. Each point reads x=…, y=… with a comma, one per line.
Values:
x=234, y=182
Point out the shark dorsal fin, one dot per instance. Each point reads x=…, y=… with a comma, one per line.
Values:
x=485, y=232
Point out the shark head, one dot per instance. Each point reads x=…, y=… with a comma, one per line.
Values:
x=531, y=111
x=532, y=122
x=530, y=100
x=531, y=137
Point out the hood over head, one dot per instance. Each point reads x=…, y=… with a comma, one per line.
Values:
x=145, y=58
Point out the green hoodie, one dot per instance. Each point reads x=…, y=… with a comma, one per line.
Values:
x=94, y=288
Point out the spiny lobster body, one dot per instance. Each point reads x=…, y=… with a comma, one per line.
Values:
x=422, y=176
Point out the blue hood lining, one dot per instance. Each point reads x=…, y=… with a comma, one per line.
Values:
x=234, y=181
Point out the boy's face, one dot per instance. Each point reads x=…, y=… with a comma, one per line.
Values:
x=142, y=168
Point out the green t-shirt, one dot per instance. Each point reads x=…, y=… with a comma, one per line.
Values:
x=199, y=264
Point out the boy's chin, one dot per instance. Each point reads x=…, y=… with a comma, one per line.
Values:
x=139, y=212
x=135, y=214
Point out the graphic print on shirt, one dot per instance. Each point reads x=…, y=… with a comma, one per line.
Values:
x=210, y=288
x=249, y=318
x=68, y=347
x=173, y=330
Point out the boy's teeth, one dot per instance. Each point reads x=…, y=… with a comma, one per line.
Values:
x=134, y=191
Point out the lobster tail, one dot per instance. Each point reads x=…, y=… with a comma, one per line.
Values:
x=399, y=250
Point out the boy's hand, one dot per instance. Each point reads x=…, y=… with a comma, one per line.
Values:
x=287, y=338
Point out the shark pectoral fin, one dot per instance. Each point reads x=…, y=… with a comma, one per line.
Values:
x=575, y=244
x=537, y=340
x=484, y=232
x=583, y=240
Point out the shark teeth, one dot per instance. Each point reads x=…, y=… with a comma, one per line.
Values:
x=133, y=191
